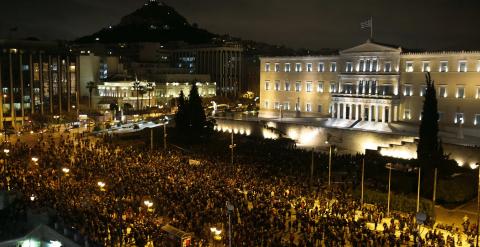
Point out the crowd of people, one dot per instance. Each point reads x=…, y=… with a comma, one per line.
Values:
x=101, y=189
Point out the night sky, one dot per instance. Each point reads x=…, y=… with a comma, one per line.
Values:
x=314, y=24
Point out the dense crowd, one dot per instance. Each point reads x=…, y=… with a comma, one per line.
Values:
x=100, y=189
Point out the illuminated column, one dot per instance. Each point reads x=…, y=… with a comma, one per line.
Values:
x=362, y=112
x=370, y=113
x=356, y=112
x=344, y=111
x=395, y=113
x=383, y=113
x=389, y=114
x=332, y=109
x=376, y=113
x=338, y=110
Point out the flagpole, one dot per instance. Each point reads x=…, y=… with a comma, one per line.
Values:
x=371, y=27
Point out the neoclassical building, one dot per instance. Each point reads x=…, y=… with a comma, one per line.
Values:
x=373, y=82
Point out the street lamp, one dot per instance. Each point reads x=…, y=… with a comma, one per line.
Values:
x=389, y=167
x=35, y=160
x=329, y=163
x=65, y=170
x=165, y=133
x=101, y=185
x=232, y=146
x=149, y=204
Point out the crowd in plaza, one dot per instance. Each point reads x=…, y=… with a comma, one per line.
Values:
x=101, y=189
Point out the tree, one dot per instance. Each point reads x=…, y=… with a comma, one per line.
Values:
x=141, y=91
x=136, y=87
x=196, y=113
x=91, y=85
x=181, y=122
x=429, y=150
x=150, y=88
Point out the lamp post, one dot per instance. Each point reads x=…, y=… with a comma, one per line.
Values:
x=232, y=146
x=4, y=125
x=149, y=204
x=389, y=167
x=230, y=208
x=165, y=133
x=418, y=189
x=6, y=151
x=363, y=179
x=478, y=203
x=329, y=163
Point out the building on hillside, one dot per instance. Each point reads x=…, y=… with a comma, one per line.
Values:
x=374, y=83
x=36, y=77
x=223, y=64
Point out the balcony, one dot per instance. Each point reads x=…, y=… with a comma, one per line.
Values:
x=364, y=96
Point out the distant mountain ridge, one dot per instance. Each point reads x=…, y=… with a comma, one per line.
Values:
x=157, y=22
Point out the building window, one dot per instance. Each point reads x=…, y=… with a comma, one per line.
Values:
x=423, y=89
x=277, y=67
x=309, y=107
x=320, y=87
x=460, y=94
x=407, y=114
x=407, y=90
x=361, y=66
x=298, y=67
x=267, y=67
x=443, y=66
x=309, y=86
x=409, y=66
x=333, y=87
x=333, y=67
x=440, y=116
x=348, y=67
x=276, y=106
x=374, y=65
x=267, y=85
x=426, y=66
x=459, y=118
x=477, y=119
x=266, y=104
x=298, y=86
x=287, y=86
x=367, y=65
x=286, y=106
x=388, y=67
x=309, y=67
x=288, y=68
x=462, y=66
x=321, y=67
x=319, y=108
x=442, y=92
x=277, y=85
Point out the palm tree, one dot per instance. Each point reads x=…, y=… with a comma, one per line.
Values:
x=142, y=91
x=136, y=87
x=91, y=85
x=150, y=88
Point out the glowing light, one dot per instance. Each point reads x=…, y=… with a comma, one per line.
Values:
x=101, y=184
x=35, y=159
x=268, y=134
x=148, y=203
x=55, y=243
x=32, y=198
x=473, y=165
x=65, y=170
x=6, y=151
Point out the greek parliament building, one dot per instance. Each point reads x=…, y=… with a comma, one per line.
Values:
x=372, y=83
x=36, y=78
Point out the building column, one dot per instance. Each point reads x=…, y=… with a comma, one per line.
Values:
x=356, y=112
x=395, y=113
x=383, y=113
x=344, y=111
x=332, y=109
x=11, y=99
x=362, y=112
x=376, y=113
x=389, y=114
x=370, y=113
x=1, y=99
x=338, y=110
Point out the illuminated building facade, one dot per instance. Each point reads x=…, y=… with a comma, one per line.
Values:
x=373, y=82
x=223, y=64
x=36, y=78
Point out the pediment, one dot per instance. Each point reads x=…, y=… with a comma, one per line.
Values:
x=370, y=46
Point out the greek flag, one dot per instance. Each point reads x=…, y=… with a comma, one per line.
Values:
x=366, y=24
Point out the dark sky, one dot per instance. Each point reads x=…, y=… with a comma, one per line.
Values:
x=431, y=24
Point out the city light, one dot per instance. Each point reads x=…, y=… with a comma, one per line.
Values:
x=6, y=151
x=101, y=184
x=148, y=203
x=66, y=171
x=35, y=159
